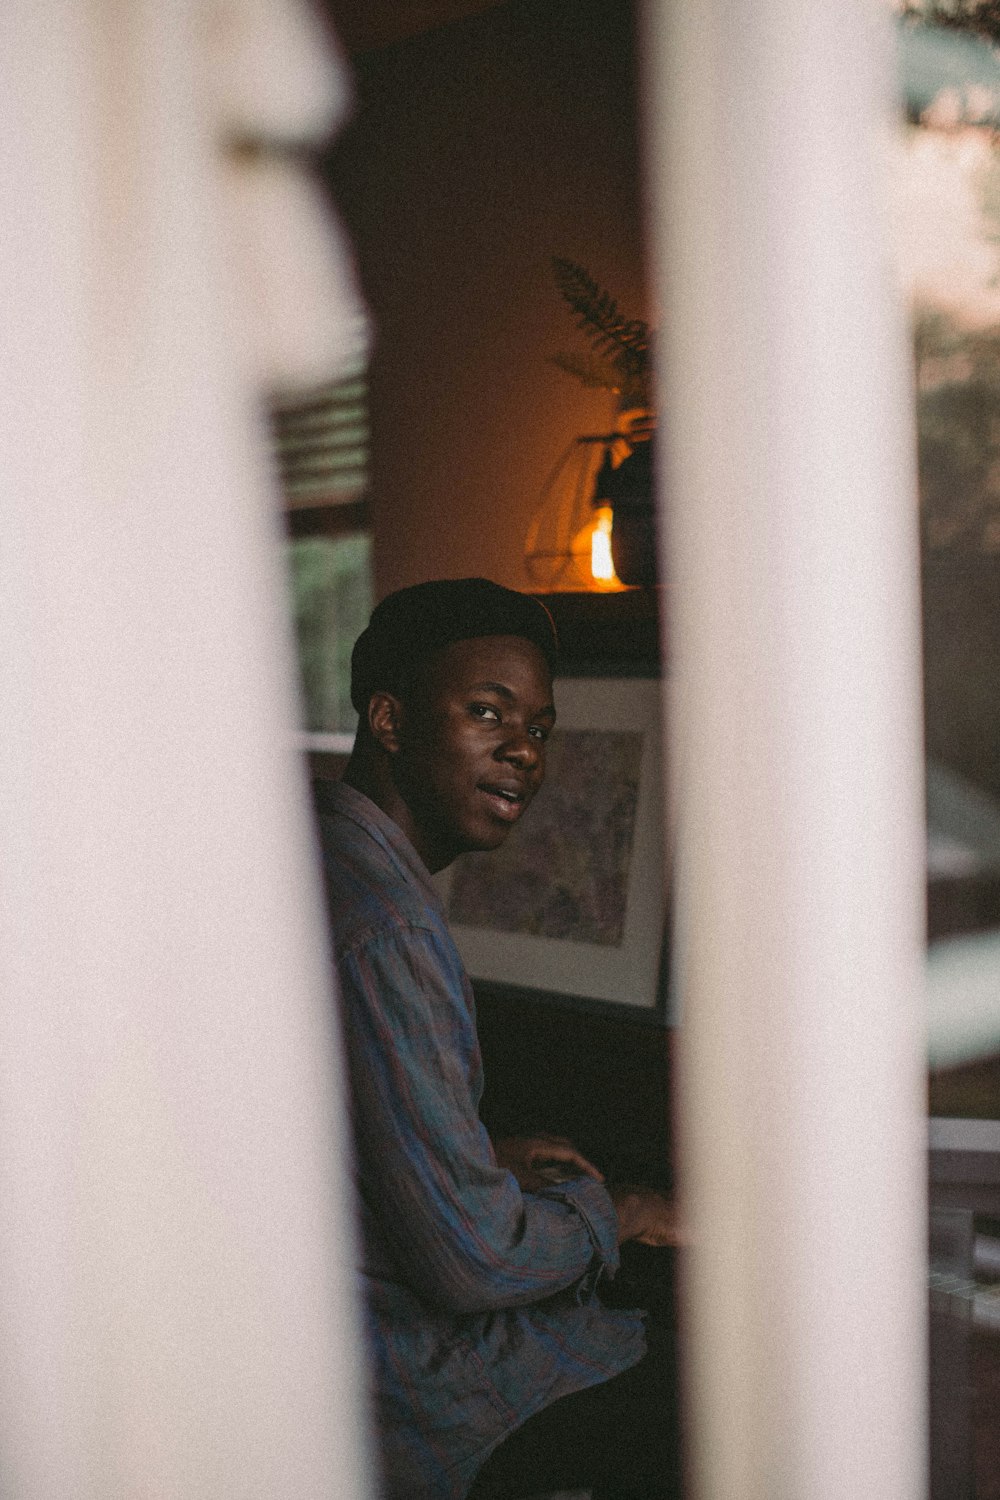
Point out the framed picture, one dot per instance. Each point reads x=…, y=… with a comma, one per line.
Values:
x=573, y=903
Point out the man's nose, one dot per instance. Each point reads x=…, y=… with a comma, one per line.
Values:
x=521, y=749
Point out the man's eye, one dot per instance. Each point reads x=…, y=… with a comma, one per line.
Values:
x=484, y=711
x=537, y=732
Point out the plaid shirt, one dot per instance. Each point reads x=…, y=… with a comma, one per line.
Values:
x=480, y=1299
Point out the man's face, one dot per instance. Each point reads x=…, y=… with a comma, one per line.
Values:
x=472, y=751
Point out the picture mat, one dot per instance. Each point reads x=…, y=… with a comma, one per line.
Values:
x=625, y=974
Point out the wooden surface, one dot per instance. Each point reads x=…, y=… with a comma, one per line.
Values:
x=609, y=634
x=986, y=1414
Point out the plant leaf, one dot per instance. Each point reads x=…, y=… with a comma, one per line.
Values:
x=623, y=342
x=589, y=371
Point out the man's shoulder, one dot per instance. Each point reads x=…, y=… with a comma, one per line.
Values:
x=372, y=884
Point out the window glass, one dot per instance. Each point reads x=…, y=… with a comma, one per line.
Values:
x=331, y=584
x=321, y=446
x=948, y=210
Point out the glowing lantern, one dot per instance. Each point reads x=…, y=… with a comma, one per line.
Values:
x=568, y=546
x=602, y=568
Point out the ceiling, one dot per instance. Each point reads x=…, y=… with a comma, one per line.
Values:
x=363, y=24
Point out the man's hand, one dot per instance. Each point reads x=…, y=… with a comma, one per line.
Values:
x=646, y=1215
x=539, y=1160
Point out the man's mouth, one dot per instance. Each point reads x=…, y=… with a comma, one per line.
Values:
x=506, y=801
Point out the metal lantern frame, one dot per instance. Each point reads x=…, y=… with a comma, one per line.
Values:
x=555, y=558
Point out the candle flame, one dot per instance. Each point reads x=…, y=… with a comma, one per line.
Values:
x=602, y=567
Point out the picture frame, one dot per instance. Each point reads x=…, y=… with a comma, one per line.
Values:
x=573, y=904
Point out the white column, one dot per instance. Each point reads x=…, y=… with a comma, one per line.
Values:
x=176, y=1317
x=792, y=568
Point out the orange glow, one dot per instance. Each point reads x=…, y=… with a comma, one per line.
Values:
x=592, y=549
x=602, y=568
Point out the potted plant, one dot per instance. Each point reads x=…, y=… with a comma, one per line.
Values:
x=619, y=361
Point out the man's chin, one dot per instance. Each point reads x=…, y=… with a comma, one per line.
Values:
x=483, y=840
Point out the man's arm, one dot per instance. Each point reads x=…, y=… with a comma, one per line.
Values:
x=644, y=1214
x=462, y=1233
x=539, y=1160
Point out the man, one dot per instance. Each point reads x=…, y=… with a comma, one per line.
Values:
x=480, y=1282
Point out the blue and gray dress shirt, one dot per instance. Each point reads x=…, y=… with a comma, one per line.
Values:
x=480, y=1299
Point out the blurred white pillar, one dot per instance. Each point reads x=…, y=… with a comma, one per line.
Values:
x=175, y=1317
x=791, y=523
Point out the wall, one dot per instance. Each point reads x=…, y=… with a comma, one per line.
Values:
x=480, y=150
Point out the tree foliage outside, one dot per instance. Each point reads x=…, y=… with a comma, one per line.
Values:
x=958, y=376
x=331, y=586
x=957, y=367
x=981, y=17
x=958, y=411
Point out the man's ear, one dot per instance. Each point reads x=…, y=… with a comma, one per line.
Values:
x=385, y=720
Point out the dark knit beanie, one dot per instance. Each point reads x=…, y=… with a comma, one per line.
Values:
x=411, y=624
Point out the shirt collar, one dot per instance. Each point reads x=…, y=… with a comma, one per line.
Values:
x=346, y=801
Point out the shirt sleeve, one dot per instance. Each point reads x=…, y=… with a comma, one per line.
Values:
x=462, y=1234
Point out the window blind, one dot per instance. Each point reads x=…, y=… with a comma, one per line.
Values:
x=322, y=442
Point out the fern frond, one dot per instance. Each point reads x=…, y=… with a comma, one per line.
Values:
x=624, y=342
x=590, y=372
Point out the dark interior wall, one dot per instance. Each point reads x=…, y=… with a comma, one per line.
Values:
x=478, y=151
